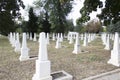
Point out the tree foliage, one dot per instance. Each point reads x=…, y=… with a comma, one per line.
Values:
x=44, y=25
x=114, y=27
x=89, y=6
x=24, y=26
x=93, y=26
x=80, y=28
x=70, y=26
x=9, y=10
x=57, y=11
x=32, y=25
x=110, y=12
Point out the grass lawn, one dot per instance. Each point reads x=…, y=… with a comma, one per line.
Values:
x=80, y=66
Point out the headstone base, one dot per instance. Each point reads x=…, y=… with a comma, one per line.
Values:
x=42, y=70
x=35, y=77
x=23, y=58
x=114, y=59
x=24, y=54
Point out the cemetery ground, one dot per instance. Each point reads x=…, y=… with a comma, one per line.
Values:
x=80, y=65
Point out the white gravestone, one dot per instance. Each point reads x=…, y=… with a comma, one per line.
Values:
x=71, y=39
x=24, y=50
x=13, y=40
x=115, y=53
x=85, y=42
x=77, y=45
x=107, y=46
x=11, y=37
x=48, y=39
x=34, y=39
x=17, y=43
x=42, y=64
x=53, y=38
x=61, y=37
x=58, y=43
x=30, y=36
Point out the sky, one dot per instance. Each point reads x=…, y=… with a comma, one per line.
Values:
x=75, y=12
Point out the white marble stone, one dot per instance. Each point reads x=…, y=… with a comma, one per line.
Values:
x=34, y=39
x=53, y=37
x=77, y=45
x=48, y=40
x=30, y=36
x=107, y=46
x=85, y=42
x=89, y=37
x=58, y=43
x=17, y=43
x=104, y=38
x=71, y=37
x=24, y=50
x=82, y=37
x=61, y=37
x=43, y=65
x=115, y=53
x=71, y=40
x=13, y=40
x=68, y=37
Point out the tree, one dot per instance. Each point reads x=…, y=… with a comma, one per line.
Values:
x=110, y=12
x=44, y=25
x=9, y=10
x=6, y=23
x=69, y=26
x=57, y=10
x=32, y=25
x=24, y=26
x=80, y=28
x=89, y=6
x=93, y=26
x=114, y=27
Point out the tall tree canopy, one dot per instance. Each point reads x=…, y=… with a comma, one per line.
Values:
x=9, y=10
x=93, y=26
x=110, y=12
x=57, y=11
x=32, y=25
x=43, y=22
